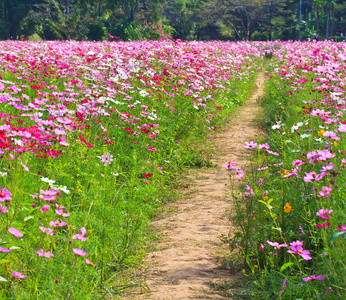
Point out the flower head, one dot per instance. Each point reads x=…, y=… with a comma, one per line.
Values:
x=18, y=274
x=5, y=194
x=57, y=223
x=313, y=277
x=4, y=250
x=40, y=252
x=79, y=252
x=90, y=263
x=296, y=248
x=323, y=213
x=287, y=208
x=80, y=236
x=276, y=245
x=250, y=145
x=15, y=232
x=44, y=208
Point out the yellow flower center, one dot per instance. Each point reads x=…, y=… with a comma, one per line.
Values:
x=58, y=223
x=2, y=195
x=300, y=251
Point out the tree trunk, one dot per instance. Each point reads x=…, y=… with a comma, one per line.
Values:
x=67, y=7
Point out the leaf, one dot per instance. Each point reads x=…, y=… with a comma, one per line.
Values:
x=336, y=235
x=14, y=247
x=285, y=266
x=4, y=261
x=28, y=218
x=3, y=279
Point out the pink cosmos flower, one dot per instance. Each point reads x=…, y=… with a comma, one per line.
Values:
x=328, y=167
x=331, y=135
x=262, y=169
x=263, y=146
x=276, y=245
x=57, y=223
x=40, y=252
x=44, y=208
x=4, y=250
x=250, y=145
x=299, y=250
x=90, y=263
x=152, y=149
x=47, y=230
x=312, y=176
x=49, y=192
x=80, y=236
x=342, y=128
x=229, y=166
x=273, y=153
x=3, y=209
x=238, y=173
x=15, y=232
x=79, y=252
x=18, y=274
x=313, y=277
x=5, y=195
x=342, y=227
x=25, y=167
x=297, y=162
x=60, y=212
x=323, y=213
x=325, y=192
x=261, y=247
x=47, y=197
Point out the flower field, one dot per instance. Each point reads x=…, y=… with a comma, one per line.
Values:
x=93, y=137
x=292, y=215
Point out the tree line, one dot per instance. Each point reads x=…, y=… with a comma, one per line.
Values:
x=180, y=19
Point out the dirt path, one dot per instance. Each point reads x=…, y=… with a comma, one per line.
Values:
x=189, y=256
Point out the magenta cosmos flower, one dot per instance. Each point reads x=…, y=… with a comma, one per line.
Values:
x=323, y=213
x=15, y=232
x=44, y=208
x=18, y=274
x=297, y=248
x=276, y=245
x=313, y=277
x=5, y=195
x=79, y=252
x=342, y=227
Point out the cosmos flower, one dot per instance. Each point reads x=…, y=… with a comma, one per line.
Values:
x=79, y=252
x=5, y=195
x=15, y=232
x=18, y=274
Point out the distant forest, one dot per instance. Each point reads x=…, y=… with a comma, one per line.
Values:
x=97, y=20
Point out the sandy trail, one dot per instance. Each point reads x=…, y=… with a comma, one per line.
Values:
x=182, y=268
